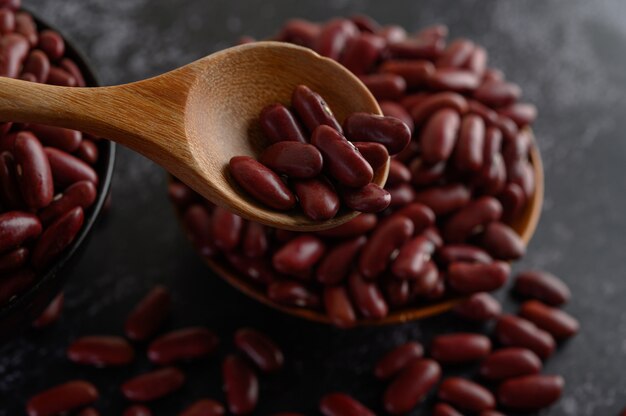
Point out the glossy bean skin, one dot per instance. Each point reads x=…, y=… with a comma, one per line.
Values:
x=533, y=392
x=298, y=256
x=226, y=229
x=543, y=286
x=340, y=404
x=10, y=194
x=312, y=109
x=412, y=258
x=468, y=153
x=424, y=174
x=370, y=198
x=374, y=153
x=384, y=86
x=52, y=44
x=240, y=385
x=68, y=169
x=427, y=281
x=410, y=386
x=519, y=332
x=260, y=182
x=204, y=407
x=296, y=160
x=439, y=136
x=70, y=66
x=513, y=200
x=197, y=221
x=260, y=349
x=334, y=267
x=362, y=52
x=401, y=195
x=415, y=73
x=258, y=270
x=299, y=31
x=397, y=359
x=16, y=228
x=13, y=49
x=397, y=292
x=497, y=93
x=279, y=124
x=293, y=294
x=338, y=306
x=456, y=54
x=353, y=228
x=522, y=114
x=502, y=242
x=101, y=351
x=393, y=109
x=479, y=307
x=443, y=409
x=367, y=297
x=57, y=237
x=148, y=315
x=465, y=253
x=25, y=26
x=425, y=109
x=255, y=243
x=82, y=194
x=476, y=214
x=398, y=173
x=62, y=398
x=60, y=77
x=460, y=348
x=476, y=277
x=386, y=238
x=477, y=62
x=420, y=215
x=341, y=158
x=508, y=363
x=57, y=137
x=52, y=312
x=451, y=79
x=466, y=395
x=333, y=37
x=417, y=48
x=38, y=64
x=153, y=385
x=34, y=174
x=556, y=322
x=318, y=198
x=7, y=21
x=388, y=131
x=183, y=344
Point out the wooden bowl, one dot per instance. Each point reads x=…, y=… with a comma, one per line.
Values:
x=525, y=226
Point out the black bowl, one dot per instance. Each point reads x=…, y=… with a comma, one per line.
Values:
x=21, y=311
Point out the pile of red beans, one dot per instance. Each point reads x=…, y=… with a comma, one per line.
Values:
x=349, y=161
x=47, y=179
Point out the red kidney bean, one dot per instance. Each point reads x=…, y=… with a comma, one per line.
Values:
x=340, y=404
x=398, y=173
x=477, y=62
x=543, y=286
x=57, y=237
x=439, y=136
x=434, y=31
x=153, y=385
x=479, y=307
x=388, y=131
x=459, y=348
x=25, y=26
x=401, y=195
x=385, y=86
x=489, y=115
x=181, y=195
x=198, y=223
x=421, y=216
x=397, y=292
x=263, y=184
x=353, y=228
x=369, y=198
x=424, y=174
x=341, y=158
x=508, y=126
x=70, y=66
x=260, y=349
x=81, y=194
x=299, y=255
x=463, y=253
x=456, y=80
x=468, y=154
x=255, y=242
x=362, y=52
x=442, y=409
x=414, y=72
x=392, y=109
x=374, y=153
x=433, y=234
x=334, y=267
x=292, y=293
x=279, y=124
x=52, y=312
x=33, y=171
x=16, y=228
x=456, y=54
x=491, y=179
x=101, y=351
x=13, y=50
x=240, y=385
x=15, y=284
x=137, y=410
x=38, y=64
x=397, y=359
x=529, y=393
x=148, y=315
x=258, y=270
x=519, y=332
x=410, y=386
x=334, y=36
x=476, y=277
x=367, y=297
x=493, y=144
x=417, y=48
x=296, y=160
x=182, y=344
x=412, y=258
x=471, y=218
x=435, y=102
x=52, y=44
x=226, y=229
x=10, y=194
x=7, y=21
x=89, y=411
x=502, y=242
x=466, y=395
x=312, y=109
x=387, y=238
x=497, y=93
x=13, y=5
x=556, y=322
x=68, y=169
x=317, y=198
x=60, y=138
x=62, y=398
x=365, y=23
x=509, y=363
x=522, y=114
x=300, y=32
x=513, y=200
x=517, y=147
x=427, y=281
x=59, y=76
x=88, y=152
x=339, y=307
x=204, y=407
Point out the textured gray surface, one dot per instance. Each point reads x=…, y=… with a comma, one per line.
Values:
x=570, y=58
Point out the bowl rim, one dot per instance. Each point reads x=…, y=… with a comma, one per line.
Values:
x=104, y=185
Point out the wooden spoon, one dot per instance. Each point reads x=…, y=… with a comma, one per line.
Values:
x=194, y=119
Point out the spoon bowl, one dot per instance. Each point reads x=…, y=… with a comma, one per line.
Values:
x=192, y=120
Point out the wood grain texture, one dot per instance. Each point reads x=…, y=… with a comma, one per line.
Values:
x=192, y=120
